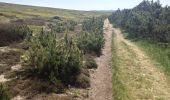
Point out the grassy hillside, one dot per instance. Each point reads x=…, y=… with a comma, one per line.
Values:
x=13, y=11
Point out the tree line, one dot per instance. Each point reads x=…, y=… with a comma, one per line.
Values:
x=148, y=20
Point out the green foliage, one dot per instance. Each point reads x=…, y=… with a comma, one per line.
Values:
x=147, y=20
x=23, y=31
x=62, y=26
x=58, y=27
x=158, y=52
x=58, y=61
x=11, y=32
x=4, y=95
x=92, y=39
x=70, y=25
x=90, y=42
x=119, y=88
x=93, y=24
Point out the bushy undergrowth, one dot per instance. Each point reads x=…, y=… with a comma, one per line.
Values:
x=56, y=60
x=93, y=24
x=4, y=95
x=12, y=33
x=90, y=42
x=92, y=39
x=148, y=20
x=60, y=26
x=60, y=61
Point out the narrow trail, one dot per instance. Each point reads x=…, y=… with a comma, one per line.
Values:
x=141, y=78
x=101, y=78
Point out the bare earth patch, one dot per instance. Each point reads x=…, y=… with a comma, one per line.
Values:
x=101, y=78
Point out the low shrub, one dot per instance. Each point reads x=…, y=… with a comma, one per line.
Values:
x=93, y=24
x=92, y=39
x=58, y=61
x=13, y=33
x=90, y=42
x=61, y=26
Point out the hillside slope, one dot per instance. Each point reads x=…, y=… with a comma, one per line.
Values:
x=15, y=11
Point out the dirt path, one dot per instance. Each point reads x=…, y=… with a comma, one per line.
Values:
x=141, y=78
x=101, y=78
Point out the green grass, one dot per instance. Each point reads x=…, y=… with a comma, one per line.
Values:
x=119, y=90
x=35, y=29
x=14, y=11
x=122, y=85
x=158, y=52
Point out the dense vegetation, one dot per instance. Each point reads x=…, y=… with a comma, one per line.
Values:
x=60, y=61
x=56, y=60
x=148, y=20
x=61, y=26
x=149, y=23
x=92, y=39
x=12, y=33
x=48, y=62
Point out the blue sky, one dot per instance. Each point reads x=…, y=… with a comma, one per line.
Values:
x=83, y=4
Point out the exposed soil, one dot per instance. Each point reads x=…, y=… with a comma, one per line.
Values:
x=8, y=58
x=142, y=79
x=101, y=78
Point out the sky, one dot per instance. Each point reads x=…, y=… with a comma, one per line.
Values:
x=84, y=4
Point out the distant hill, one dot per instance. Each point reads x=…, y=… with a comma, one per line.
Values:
x=14, y=11
x=106, y=11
